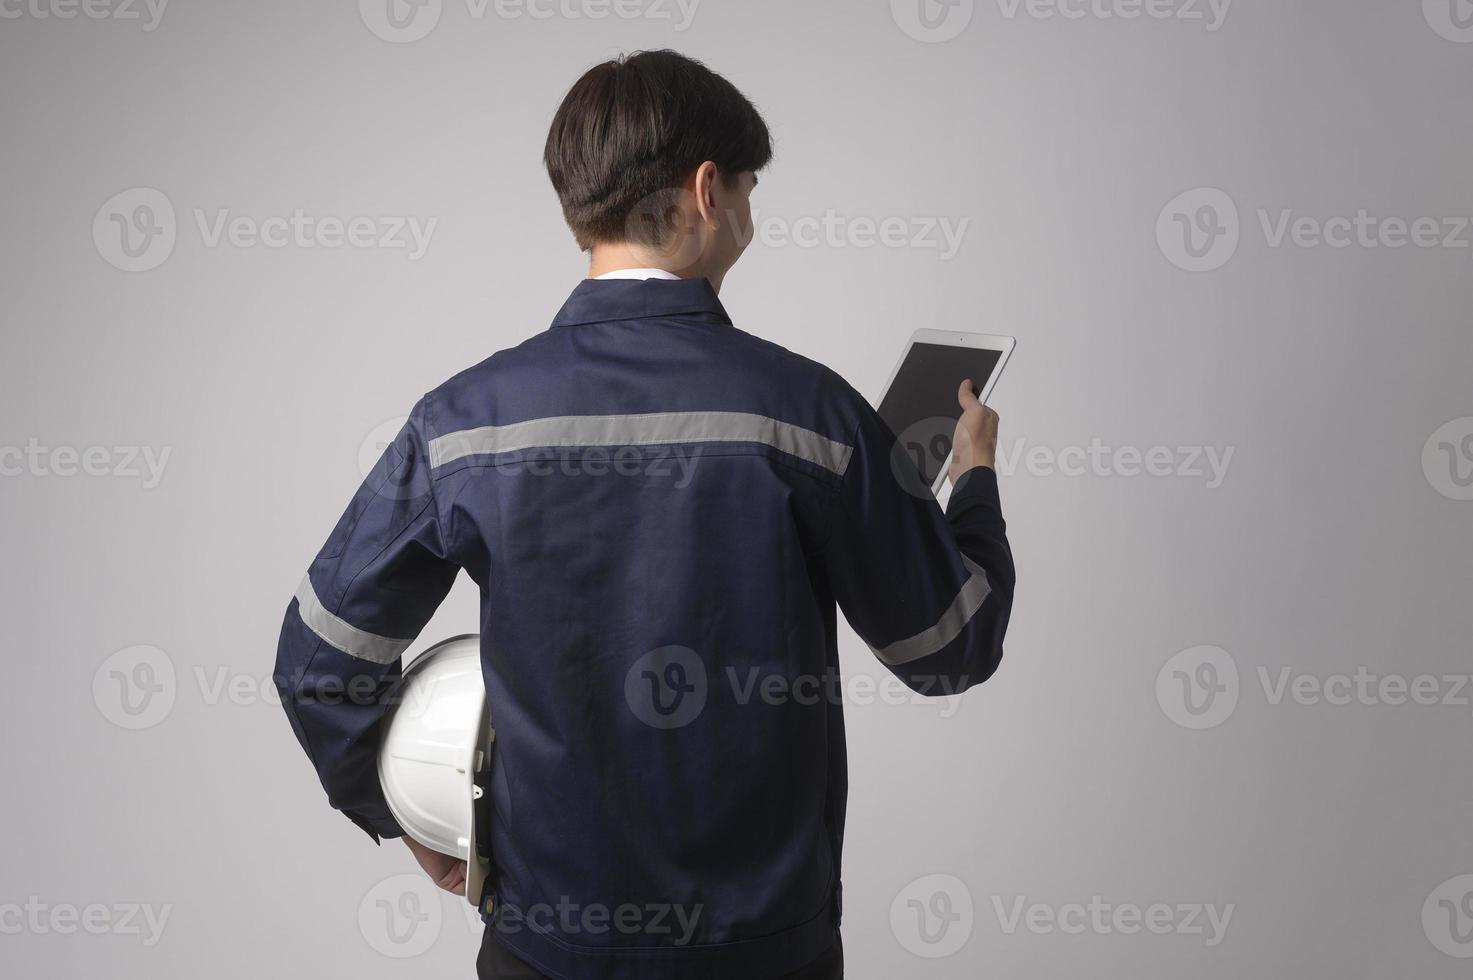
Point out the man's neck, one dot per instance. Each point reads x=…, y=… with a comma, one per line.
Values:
x=606, y=258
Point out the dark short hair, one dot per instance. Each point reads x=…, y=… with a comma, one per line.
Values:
x=633, y=129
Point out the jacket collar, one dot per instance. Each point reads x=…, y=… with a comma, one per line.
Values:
x=603, y=300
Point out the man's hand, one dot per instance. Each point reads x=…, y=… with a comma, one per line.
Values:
x=444, y=870
x=975, y=442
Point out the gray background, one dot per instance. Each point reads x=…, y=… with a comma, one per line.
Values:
x=1328, y=547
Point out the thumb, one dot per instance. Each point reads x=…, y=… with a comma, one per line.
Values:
x=966, y=397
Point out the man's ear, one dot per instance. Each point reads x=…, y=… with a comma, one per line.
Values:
x=705, y=191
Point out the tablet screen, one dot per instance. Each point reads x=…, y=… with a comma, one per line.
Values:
x=921, y=406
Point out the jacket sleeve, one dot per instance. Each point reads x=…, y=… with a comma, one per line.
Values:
x=930, y=593
x=366, y=596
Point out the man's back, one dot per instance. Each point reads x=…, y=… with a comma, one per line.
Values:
x=641, y=519
x=660, y=511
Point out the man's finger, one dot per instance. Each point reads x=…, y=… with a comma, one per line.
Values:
x=966, y=397
x=454, y=879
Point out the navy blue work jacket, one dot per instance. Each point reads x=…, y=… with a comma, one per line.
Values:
x=662, y=513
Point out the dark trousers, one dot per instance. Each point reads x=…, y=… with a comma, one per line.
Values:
x=496, y=962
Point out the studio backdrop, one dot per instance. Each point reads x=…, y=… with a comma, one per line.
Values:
x=1230, y=737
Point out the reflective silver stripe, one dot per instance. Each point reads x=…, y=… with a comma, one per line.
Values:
x=934, y=639
x=642, y=430
x=344, y=635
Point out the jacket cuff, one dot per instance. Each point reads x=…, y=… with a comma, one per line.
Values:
x=976, y=490
x=385, y=827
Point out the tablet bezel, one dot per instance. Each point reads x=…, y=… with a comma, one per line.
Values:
x=954, y=338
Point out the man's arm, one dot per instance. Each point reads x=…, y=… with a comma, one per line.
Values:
x=930, y=593
x=370, y=591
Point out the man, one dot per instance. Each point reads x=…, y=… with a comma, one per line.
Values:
x=662, y=512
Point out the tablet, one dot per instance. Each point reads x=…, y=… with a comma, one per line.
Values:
x=920, y=399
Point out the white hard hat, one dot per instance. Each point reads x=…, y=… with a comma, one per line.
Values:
x=436, y=753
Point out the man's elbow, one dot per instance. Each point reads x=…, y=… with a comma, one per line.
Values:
x=977, y=651
x=972, y=660
x=982, y=663
x=981, y=653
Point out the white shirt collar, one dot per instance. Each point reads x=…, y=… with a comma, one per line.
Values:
x=638, y=274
